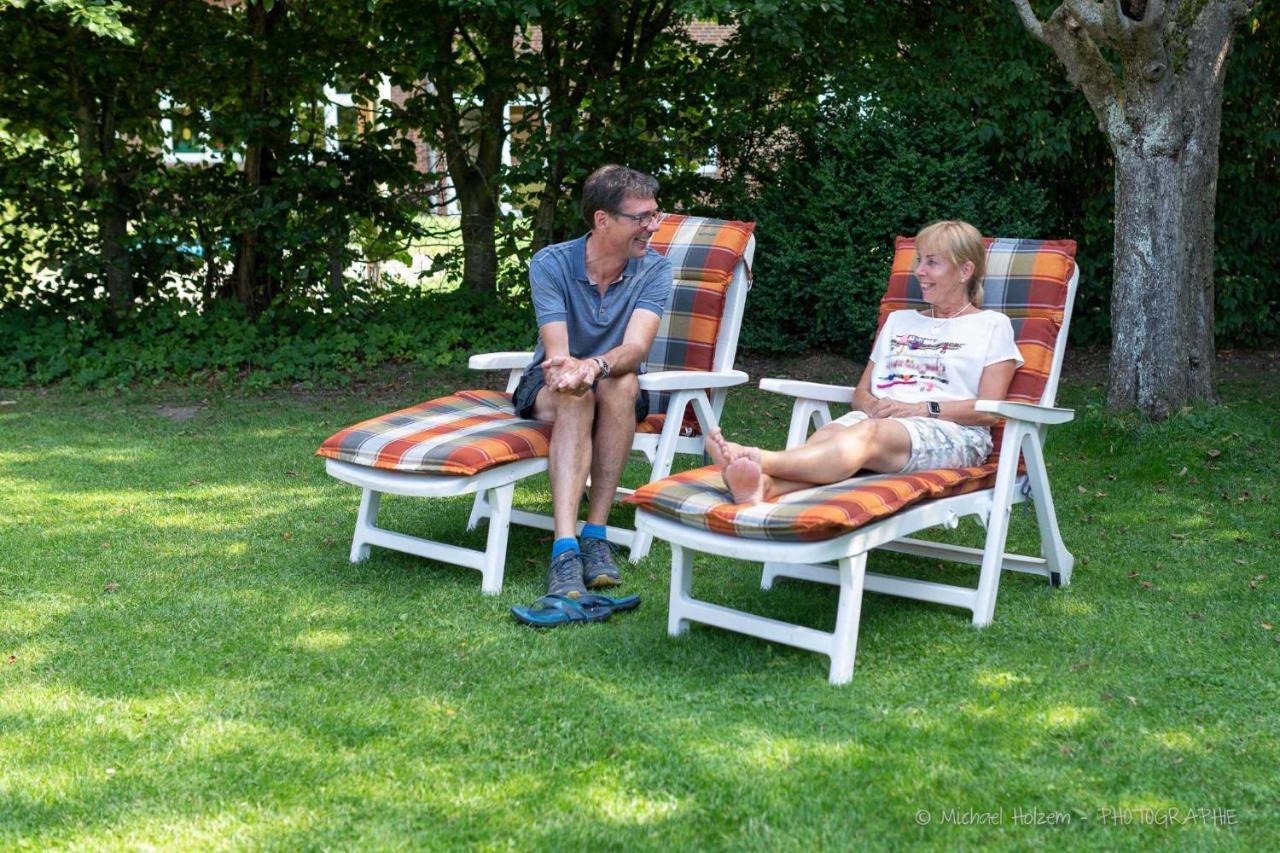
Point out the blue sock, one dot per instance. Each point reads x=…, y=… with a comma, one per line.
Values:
x=568, y=543
x=593, y=531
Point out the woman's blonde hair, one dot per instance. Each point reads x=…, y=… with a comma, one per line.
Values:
x=957, y=242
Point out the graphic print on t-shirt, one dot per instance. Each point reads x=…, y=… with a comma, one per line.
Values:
x=917, y=362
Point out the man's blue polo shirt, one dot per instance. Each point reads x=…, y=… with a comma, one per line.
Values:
x=562, y=291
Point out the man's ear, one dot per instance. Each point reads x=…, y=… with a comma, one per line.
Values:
x=600, y=219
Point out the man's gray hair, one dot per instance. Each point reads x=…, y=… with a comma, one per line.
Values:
x=608, y=186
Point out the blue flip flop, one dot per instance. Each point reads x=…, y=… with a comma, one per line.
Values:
x=615, y=605
x=551, y=611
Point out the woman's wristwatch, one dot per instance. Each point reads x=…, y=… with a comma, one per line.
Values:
x=935, y=408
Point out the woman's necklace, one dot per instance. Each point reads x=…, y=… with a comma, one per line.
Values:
x=938, y=321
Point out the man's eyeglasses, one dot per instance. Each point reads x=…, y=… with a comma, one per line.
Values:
x=642, y=219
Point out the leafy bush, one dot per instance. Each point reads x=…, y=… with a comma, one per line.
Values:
x=290, y=342
x=828, y=219
x=1247, y=311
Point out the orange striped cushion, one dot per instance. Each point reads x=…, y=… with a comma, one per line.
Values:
x=699, y=499
x=462, y=434
x=703, y=253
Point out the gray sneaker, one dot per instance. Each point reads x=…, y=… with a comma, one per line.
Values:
x=564, y=575
x=598, y=567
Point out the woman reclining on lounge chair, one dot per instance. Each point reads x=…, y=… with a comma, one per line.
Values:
x=913, y=407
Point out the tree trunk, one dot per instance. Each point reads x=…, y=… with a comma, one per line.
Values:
x=113, y=231
x=95, y=143
x=1162, y=113
x=337, y=262
x=208, y=287
x=479, y=234
x=544, y=218
x=472, y=140
x=1162, y=348
x=256, y=264
x=245, y=273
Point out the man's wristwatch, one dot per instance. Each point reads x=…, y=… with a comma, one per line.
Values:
x=935, y=409
x=605, y=369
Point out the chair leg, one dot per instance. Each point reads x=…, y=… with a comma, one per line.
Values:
x=366, y=518
x=1052, y=548
x=495, y=550
x=664, y=456
x=681, y=589
x=768, y=574
x=844, y=640
x=984, y=605
x=640, y=544
x=479, y=511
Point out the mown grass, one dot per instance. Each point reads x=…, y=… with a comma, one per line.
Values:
x=187, y=658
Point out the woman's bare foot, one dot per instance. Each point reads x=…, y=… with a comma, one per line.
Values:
x=723, y=452
x=745, y=480
x=714, y=444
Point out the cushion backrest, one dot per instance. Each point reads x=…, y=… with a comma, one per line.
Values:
x=703, y=254
x=1026, y=280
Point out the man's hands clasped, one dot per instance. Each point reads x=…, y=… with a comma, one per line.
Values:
x=568, y=375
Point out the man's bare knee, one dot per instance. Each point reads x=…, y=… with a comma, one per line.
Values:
x=618, y=390
x=551, y=406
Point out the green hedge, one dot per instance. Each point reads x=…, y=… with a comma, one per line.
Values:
x=291, y=342
x=826, y=224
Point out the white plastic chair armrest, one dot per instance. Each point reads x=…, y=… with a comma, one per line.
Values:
x=1029, y=412
x=680, y=380
x=809, y=390
x=499, y=360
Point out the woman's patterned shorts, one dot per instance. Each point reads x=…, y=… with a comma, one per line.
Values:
x=936, y=443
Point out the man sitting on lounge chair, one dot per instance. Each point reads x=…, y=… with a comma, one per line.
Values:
x=598, y=300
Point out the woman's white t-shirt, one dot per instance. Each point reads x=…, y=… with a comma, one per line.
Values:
x=919, y=358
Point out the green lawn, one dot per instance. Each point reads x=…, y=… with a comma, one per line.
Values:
x=187, y=658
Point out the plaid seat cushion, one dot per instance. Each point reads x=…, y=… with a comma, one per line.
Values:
x=699, y=499
x=463, y=434
x=703, y=253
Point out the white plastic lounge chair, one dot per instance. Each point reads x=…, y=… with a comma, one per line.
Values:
x=824, y=534
x=472, y=441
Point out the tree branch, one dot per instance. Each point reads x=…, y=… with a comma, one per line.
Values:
x=1076, y=48
x=1029, y=19
x=652, y=26
x=475, y=51
x=629, y=32
x=1095, y=17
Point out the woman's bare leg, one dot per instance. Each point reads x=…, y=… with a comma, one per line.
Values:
x=832, y=454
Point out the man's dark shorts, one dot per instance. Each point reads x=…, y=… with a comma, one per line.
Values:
x=531, y=383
